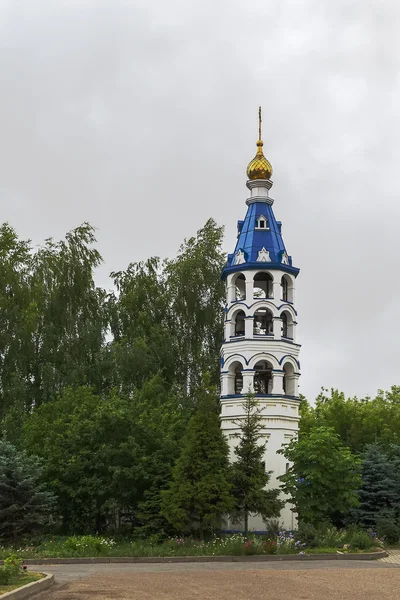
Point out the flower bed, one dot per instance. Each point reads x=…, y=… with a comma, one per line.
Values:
x=236, y=544
x=14, y=575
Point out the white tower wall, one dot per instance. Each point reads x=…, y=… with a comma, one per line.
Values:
x=241, y=352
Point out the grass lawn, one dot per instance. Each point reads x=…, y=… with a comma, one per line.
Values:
x=20, y=581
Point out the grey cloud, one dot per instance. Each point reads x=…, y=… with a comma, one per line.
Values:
x=117, y=111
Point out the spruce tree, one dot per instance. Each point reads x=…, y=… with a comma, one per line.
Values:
x=248, y=473
x=25, y=504
x=199, y=493
x=378, y=491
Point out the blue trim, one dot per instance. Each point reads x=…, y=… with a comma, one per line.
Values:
x=241, y=356
x=289, y=356
x=281, y=396
x=259, y=266
x=262, y=339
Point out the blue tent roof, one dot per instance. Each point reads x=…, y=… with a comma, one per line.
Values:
x=251, y=240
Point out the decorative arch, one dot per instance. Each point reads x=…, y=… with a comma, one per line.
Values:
x=289, y=309
x=263, y=356
x=234, y=309
x=288, y=358
x=263, y=304
x=235, y=358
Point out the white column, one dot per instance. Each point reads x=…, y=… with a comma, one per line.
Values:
x=224, y=383
x=249, y=288
x=277, y=387
x=277, y=323
x=277, y=288
x=296, y=377
x=227, y=383
x=228, y=329
x=248, y=381
x=291, y=293
x=248, y=327
x=231, y=293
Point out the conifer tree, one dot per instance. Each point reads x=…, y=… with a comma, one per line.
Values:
x=25, y=504
x=248, y=473
x=378, y=491
x=199, y=493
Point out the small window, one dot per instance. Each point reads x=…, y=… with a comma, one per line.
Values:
x=262, y=222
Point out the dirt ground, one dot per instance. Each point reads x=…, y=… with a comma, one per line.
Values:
x=257, y=584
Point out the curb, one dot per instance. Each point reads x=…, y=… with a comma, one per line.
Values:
x=28, y=590
x=201, y=559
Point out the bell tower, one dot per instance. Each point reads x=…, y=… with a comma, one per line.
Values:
x=260, y=352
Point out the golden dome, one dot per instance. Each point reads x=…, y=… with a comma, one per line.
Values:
x=259, y=167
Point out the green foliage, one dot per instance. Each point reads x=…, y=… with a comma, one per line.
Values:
x=361, y=540
x=52, y=320
x=323, y=478
x=379, y=490
x=248, y=473
x=387, y=525
x=25, y=503
x=197, y=296
x=358, y=422
x=199, y=493
x=103, y=453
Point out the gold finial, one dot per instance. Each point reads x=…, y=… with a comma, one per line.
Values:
x=259, y=167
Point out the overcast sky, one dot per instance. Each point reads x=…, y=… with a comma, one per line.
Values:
x=140, y=117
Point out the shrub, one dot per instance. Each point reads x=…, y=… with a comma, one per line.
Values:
x=269, y=547
x=12, y=568
x=361, y=540
x=85, y=545
x=388, y=527
x=286, y=543
x=307, y=534
x=331, y=538
x=273, y=528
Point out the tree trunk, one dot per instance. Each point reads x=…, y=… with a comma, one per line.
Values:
x=246, y=522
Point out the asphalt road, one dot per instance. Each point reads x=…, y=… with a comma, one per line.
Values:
x=309, y=580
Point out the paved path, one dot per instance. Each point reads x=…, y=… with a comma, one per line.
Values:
x=310, y=580
x=393, y=558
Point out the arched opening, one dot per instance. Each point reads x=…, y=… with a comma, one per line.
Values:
x=288, y=380
x=263, y=285
x=263, y=378
x=240, y=286
x=287, y=325
x=239, y=322
x=287, y=288
x=263, y=322
x=235, y=385
x=238, y=382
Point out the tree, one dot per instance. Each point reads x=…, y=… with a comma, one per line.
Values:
x=199, y=493
x=248, y=473
x=17, y=321
x=53, y=321
x=102, y=453
x=324, y=476
x=25, y=502
x=378, y=492
x=359, y=422
x=197, y=294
